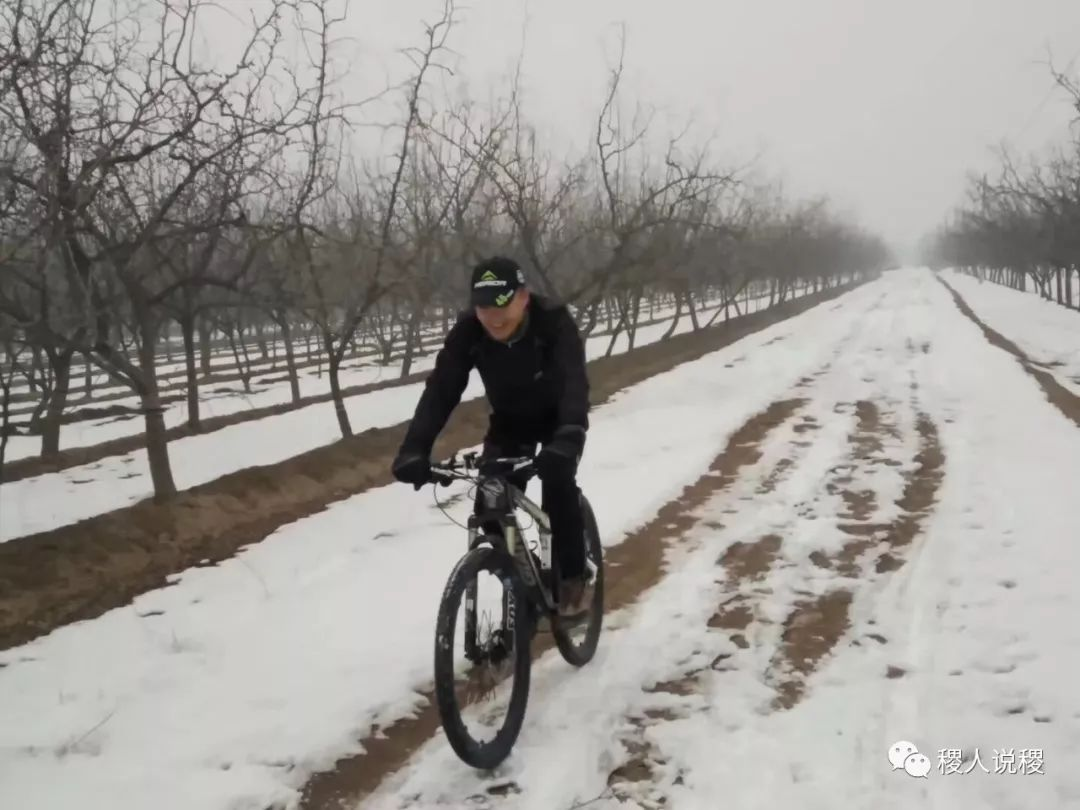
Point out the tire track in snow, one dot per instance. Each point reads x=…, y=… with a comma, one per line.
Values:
x=1060, y=397
x=750, y=559
x=633, y=566
x=815, y=625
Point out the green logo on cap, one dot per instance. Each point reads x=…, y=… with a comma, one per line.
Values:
x=488, y=276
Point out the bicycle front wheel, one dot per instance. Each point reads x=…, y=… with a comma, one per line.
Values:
x=482, y=657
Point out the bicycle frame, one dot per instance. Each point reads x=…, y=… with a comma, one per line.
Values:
x=499, y=500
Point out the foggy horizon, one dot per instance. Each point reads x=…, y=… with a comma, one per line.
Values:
x=882, y=110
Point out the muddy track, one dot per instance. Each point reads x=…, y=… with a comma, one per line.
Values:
x=633, y=566
x=80, y=571
x=816, y=624
x=1060, y=397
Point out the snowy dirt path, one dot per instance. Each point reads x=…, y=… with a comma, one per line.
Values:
x=897, y=565
x=231, y=687
x=1046, y=332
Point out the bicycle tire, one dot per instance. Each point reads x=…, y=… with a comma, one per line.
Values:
x=481, y=755
x=579, y=655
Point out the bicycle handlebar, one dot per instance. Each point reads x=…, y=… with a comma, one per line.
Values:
x=446, y=472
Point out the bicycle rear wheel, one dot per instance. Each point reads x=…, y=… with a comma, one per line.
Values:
x=487, y=662
x=577, y=639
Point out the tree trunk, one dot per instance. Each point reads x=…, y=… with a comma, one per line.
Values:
x=412, y=337
x=39, y=369
x=5, y=420
x=204, y=346
x=735, y=303
x=692, y=310
x=615, y=334
x=592, y=315
x=674, y=321
x=157, y=440
x=187, y=331
x=50, y=427
x=88, y=378
x=260, y=338
x=36, y=416
x=290, y=357
x=335, y=387
x=243, y=367
x=635, y=314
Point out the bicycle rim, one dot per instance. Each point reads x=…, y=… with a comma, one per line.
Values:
x=491, y=692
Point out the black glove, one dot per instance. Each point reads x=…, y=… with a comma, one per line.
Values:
x=560, y=456
x=412, y=468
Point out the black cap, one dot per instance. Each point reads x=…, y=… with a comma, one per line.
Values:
x=494, y=282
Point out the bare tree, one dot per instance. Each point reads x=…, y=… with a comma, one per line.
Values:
x=348, y=263
x=123, y=130
x=11, y=365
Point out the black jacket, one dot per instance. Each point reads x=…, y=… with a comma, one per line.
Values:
x=535, y=384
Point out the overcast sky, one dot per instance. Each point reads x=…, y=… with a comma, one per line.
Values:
x=881, y=104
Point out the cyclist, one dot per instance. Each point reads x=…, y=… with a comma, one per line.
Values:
x=531, y=360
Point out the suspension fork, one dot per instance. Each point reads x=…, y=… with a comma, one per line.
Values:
x=471, y=651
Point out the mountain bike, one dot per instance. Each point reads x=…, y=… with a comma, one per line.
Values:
x=529, y=584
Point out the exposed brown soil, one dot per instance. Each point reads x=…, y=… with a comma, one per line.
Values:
x=636, y=769
x=635, y=780
x=735, y=614
x=751, y=561
x=634, y=566
x=866, y=439
x=1060, y=397
x=815, y=626
x=810, y=632
x=773, y=478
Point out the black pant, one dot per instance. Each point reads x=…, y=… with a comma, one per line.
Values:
x=559, y=494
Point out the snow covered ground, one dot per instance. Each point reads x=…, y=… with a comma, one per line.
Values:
x=1048, y=333
x=228, y=688
x=896, y=566
x=57, y=499
x=961, y=650
x=221, y=399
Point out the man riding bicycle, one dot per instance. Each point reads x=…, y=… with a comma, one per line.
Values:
x=531, y=359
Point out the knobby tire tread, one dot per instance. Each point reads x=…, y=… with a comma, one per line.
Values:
x=489, y=755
